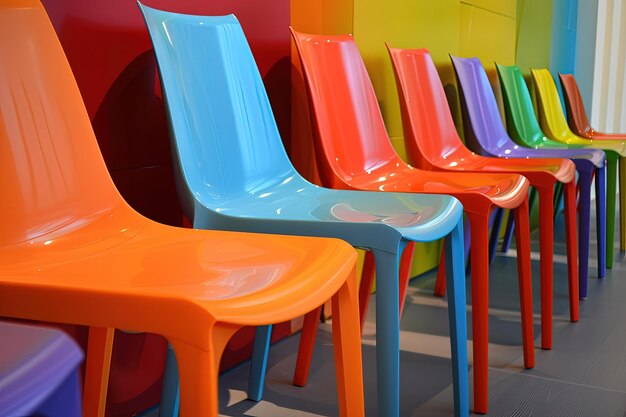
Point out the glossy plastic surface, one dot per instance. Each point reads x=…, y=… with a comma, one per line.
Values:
x=79, y=254
x=522, y=123
x=554, y=124
x=433, y=143
x=35, y=363
x=576, y=114
x=431, y=138
x=233, y=172
x=484, y=128
x=354, y=151
x=524, y=128
x=552, y=119
x=579, y=123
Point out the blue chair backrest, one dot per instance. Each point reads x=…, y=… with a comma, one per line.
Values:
x=225, y=139
x=479, y=106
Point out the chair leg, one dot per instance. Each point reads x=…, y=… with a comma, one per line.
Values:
x=305, y=350
x=480, y=307
x=522, y=237
x=611, y=191
x=601, y=219
x=365, y=289
x=170, y=390
x=546, y=261
x=440, y=284
x=622, y=203
x=347, y=349
x=457, y=319
x=199, y=371
x=258, y=363
x=584, y=208
x=387, y=334
x=571, y=240
x=508, y=234
x=98, y=365
x=558, y=196
x=406, y=262
x=495, y=233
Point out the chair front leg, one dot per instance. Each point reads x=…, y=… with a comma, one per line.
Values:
x=546, y=261
x=199, y=372
x=455, y=277
x=601, y=219
x=98, y=365
x=387, y=333
x=347, y=349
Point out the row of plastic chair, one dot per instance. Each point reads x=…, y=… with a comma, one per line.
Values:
x=75, y=252
x=349, y=131
x=233, y=174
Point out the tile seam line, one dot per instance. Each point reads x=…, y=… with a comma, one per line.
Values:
x=487, y=9
x=577, y=384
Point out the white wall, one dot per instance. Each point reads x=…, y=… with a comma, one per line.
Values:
x=608, y=108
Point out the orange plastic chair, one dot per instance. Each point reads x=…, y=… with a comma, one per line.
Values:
x=354, y=152
x=579, y=124
x=73, y=251
x=433, y=143
x=554, y=125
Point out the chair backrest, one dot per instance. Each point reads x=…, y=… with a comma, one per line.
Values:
x=521, y=120
x=574, y=106
x=348, y=125
x=482, y=123
x=52, y=175
x=429, y=131
x=225, y=139
x=551, y=117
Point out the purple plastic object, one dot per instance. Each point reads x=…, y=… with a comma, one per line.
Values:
x=39, y=372
x=485, y=134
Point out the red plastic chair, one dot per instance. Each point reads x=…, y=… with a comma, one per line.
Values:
x=73, y=251
x=433, y=143
x=354, y=152
x=579, y=123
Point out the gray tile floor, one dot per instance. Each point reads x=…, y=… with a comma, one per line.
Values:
x=583, y=375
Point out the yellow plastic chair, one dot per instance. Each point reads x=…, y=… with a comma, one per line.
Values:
x=554, y=125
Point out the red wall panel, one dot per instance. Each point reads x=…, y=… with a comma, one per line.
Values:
x=110, y=54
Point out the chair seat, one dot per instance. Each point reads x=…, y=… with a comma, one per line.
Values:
x=533, y=162
x=552, y=149
x=592, y=134
x=196, y=272
x=297, y=206
x=503, y=190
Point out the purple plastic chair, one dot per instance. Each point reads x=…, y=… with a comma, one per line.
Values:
x=485, y=133
x=39, y=372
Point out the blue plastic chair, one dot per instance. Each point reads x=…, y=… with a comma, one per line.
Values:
x=232, y=173
x=39, y=372
x=485, y=133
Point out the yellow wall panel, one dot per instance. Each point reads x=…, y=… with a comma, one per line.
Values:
x=504, y=7
x=489, y=36
x=534, y=31
x=403, y=24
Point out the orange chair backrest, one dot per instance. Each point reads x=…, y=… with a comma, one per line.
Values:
x=429, y=130
x=576, y=115
x=349, y=130
x=52, y=175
